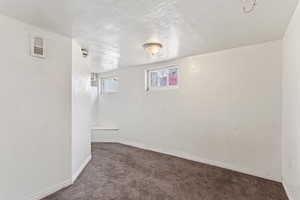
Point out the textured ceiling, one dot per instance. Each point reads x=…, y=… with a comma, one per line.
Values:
x=54, y=15
x=115, y=30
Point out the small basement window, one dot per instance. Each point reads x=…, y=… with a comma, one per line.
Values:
x=163, y=78
x=109, y=85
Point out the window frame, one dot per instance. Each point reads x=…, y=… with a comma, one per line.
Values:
x=102, y=85
x=148, y=86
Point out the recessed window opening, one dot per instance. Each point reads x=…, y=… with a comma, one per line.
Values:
x=109, y=85
x=162, y=78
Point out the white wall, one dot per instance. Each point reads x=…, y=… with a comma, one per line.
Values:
x=227, y=110
x=291, y=107
x=82, y=113
x=35, y=129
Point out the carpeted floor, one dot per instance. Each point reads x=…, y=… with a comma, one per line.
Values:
x=119, y=172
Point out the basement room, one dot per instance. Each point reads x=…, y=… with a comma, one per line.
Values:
x=150, y=100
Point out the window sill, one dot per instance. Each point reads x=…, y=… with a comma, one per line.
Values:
x=105, y=128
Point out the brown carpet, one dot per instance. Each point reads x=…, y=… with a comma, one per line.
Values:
x=119, y=172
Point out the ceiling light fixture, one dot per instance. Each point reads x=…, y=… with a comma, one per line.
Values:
x=152, y=48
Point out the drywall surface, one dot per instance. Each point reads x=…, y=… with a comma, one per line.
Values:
x=226, y=111
x=82, y=112
x=35, y=120
x=291, y=107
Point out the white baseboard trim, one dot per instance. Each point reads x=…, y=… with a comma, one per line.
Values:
x=55, y=188
x=293, y=193
x=81, y=168
x=107, y=135
x=287, y=191
x=50, y=190
x=201, y=160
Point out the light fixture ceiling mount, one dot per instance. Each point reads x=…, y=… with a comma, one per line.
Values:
x=249, y=5
x=152, y=48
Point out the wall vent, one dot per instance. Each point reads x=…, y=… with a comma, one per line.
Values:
x=94, y=79
x=38, y=47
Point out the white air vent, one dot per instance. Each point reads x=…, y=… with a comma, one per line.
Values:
x=94, y=79
x=38, y=47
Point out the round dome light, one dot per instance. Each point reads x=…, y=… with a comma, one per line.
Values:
x=152, y=48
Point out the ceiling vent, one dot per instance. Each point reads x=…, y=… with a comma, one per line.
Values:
x=38, y=47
